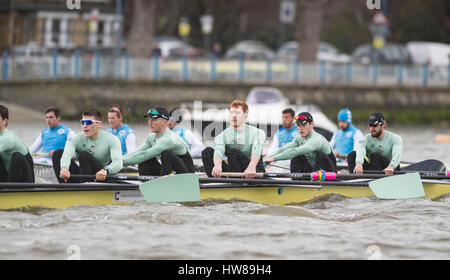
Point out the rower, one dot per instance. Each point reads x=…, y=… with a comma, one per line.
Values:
x=309, y=152
x=125, y=134
x=161, y=142
x=379, y=150
x=242, y=144
x=347, y=137
x=98, y=151
x=52, y=138
x=287, y=133
x=194, y=144
x=16, y=163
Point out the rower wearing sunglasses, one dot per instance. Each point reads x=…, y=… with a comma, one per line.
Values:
x=161, y=142
x=379, y=150
x=121, y=130
x=98, y=151
x=309, y=152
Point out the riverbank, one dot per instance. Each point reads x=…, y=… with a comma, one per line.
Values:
x=401, y=105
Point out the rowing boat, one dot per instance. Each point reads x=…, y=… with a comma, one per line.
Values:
x=55, y=196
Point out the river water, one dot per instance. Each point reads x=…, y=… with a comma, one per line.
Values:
x=334, y=227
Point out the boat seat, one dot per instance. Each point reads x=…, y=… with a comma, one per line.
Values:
x=426, y=165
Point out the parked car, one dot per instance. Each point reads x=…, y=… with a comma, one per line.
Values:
x=391, y=53
x=250, y=49
x=326, y=52
x=29, y=53
x=188, y=51
x=174, y=47
x=435, y=54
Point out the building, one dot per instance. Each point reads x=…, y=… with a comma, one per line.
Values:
x=59, y=24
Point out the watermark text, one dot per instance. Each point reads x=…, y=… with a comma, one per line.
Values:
x=374, y=4
x=74, y=4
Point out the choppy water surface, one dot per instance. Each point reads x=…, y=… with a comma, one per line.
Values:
x=330, y=228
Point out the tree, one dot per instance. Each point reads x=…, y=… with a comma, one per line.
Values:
x=140, y=41
x=441, y=9
x=309, y=22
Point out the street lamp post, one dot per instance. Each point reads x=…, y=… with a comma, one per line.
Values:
x=207, y=26
x=118, y=27
x=380, y=30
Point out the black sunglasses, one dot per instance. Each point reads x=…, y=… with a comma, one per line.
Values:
x=372, y=125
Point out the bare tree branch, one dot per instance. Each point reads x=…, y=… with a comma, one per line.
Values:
x=309, y=22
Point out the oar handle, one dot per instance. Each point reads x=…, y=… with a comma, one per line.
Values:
x=240, y=174
x=40, y=155
x=117, y=177
x=314, y=175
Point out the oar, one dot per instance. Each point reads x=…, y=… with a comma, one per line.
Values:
x=442, y=138
x=176, y=188
x=235, y=181
x=272, y=182
x=157, y=189
x=398, y=187
x=5, y=187
x=445, y=175
x=40, y=155
x=124, y=177
x=117, y=177
x=220, y=180
x=332, y=176
x=426, y=165
x=390, y=187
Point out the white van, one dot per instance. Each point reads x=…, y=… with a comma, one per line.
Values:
x=436, y=54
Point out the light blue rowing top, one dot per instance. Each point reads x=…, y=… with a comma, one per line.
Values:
x=345, y=140
x=122, y=133
x=54, y=138
x=286, y=135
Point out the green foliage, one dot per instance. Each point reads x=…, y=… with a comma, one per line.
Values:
x=342, y=30
x=346, y=28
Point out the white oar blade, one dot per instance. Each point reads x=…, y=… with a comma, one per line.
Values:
x=176, y=188
x=398, y=187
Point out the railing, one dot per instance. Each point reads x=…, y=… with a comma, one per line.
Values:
x=97, y=66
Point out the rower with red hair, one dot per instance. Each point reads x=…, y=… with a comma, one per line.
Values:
x=240, y=143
